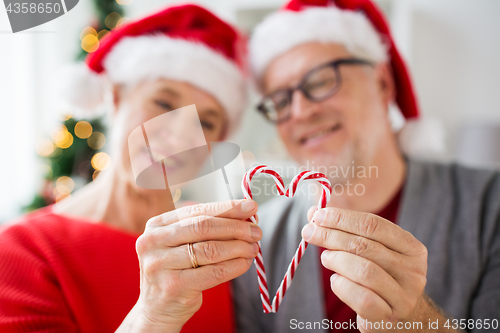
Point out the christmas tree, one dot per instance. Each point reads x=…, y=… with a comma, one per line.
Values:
x=72, y=156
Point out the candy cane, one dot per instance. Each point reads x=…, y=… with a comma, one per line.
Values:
x=259, y=261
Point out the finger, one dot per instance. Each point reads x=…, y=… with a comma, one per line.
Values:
x=310, y=212
x=362, y=300
x=365, y=273
x=204, y=228
x=210, y=252
x=235, y=209
x=209, y=276
x=336, y=240
x=370, y=226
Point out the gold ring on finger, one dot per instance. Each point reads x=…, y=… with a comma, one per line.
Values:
x=192, y=256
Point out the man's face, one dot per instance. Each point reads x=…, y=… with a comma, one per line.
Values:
x=348, y=128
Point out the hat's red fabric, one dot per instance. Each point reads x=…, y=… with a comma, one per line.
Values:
x=405, y=94
x=189, y=22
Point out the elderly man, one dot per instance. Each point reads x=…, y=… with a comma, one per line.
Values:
x=417, y=247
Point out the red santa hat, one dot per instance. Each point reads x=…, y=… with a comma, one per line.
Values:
x=186, y=43
x=361, y=27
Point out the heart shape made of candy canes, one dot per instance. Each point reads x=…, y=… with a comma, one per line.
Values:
x=290, y=191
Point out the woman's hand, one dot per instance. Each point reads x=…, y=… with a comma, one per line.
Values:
x=224, y=245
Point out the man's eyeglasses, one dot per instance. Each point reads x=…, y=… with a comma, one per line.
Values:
x=317, y=85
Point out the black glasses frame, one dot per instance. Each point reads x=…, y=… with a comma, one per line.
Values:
x=261, y=107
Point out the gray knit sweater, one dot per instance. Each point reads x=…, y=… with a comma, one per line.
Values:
x=453, y=210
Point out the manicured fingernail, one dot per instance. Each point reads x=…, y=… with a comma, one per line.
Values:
x=308, y=231
x=255, y=232
x=247, y=206
x=255, y=248
x=333, y=278
x=319, y=216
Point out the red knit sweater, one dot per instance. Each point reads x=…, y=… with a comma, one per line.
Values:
x=60, y=274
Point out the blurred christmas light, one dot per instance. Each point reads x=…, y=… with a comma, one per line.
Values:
x=124, y=2
x=102, y=33
x=121, y=21
x=96, y=140
x=95, y=174
x=61, y=196
x=88, y=31
x=112, y=19
x=56, y=152
x=55, y=131
x=66, y=116
x=101, y=161
x=83, y=129
x=90, y=43
x=63, y=139
x=44, y=147
x=65, y=184
x=46, y=171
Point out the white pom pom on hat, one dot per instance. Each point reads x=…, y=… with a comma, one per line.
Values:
x=79, y=89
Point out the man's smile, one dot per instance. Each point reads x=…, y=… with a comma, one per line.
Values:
x=316, y=136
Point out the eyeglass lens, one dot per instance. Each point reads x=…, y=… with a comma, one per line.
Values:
x=316, y=86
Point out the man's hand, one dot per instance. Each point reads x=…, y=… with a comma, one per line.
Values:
x=380, y=268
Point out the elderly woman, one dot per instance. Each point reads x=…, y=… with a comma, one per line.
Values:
x=116, y=256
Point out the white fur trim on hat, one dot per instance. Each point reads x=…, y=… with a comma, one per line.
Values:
x=79, y=89
x=285, y=30
x=422, y=138
x=135, y=59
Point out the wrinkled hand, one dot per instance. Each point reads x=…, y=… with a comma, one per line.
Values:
x=224, y=244
x=380, y=268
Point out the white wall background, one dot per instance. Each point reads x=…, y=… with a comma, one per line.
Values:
x=452, y=48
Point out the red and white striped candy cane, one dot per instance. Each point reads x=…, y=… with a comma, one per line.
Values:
x=259, y=262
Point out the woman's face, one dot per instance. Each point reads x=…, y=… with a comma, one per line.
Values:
x=166, y=135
